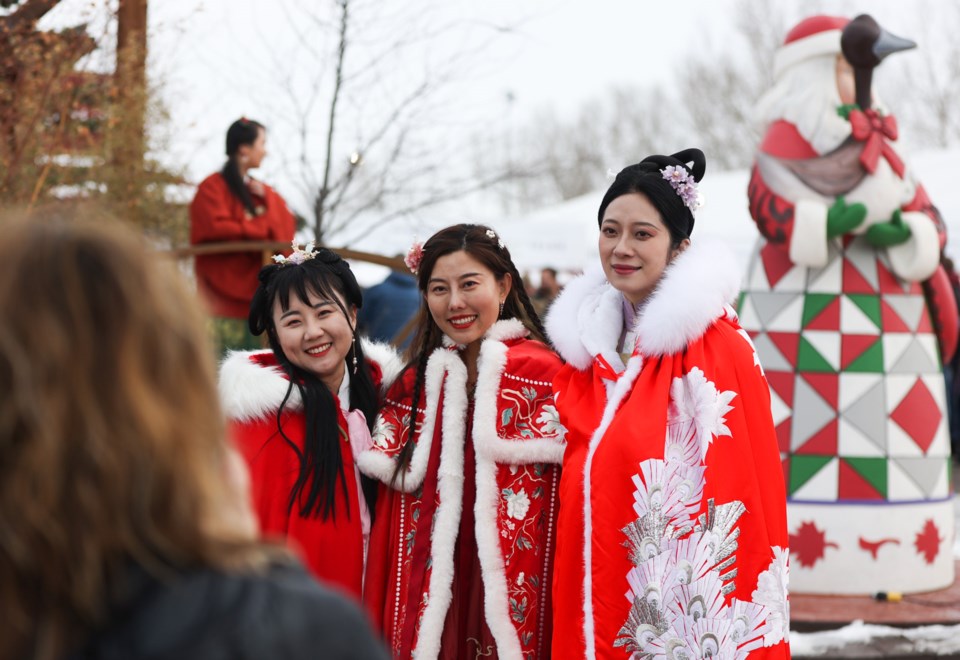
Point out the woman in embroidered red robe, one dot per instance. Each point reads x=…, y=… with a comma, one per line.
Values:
x=299, y=412
x=461, y=553
x=672, y=538
x=230, y=205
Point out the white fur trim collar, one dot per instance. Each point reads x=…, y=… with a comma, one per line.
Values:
x=587, y=317
x=387, y=358
x=249, y=390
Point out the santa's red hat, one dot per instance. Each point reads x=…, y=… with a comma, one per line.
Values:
x=811, y=37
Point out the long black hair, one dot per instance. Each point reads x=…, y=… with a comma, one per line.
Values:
x=483, y=244
x=646, y=178
x=327, y=276
x=241, y=132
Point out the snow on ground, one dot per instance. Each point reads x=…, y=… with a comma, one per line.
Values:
x=929, y=640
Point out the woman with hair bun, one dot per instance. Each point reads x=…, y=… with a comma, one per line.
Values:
x=230, y=205
x=467, y=445
x=301, y=411
x=672, y=491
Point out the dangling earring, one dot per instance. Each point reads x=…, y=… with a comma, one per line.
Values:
x=500, y=316
x=354, y=349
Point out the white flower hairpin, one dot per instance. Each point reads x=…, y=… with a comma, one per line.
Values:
x=493, y=235
x=298, y=256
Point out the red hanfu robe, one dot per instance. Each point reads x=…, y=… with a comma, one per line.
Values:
x=516, y=442
x=227, y=282
x=252, y=387
x=672, y=530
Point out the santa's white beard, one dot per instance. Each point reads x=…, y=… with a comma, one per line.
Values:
x=806, y=96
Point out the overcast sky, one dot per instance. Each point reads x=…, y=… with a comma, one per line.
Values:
x=218, y=60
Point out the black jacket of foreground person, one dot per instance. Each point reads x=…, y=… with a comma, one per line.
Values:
x=209, y=615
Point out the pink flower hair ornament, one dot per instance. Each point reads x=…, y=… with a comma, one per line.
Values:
x=414, y=257
x=684, y=185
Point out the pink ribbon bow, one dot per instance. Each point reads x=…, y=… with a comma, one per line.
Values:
x=873, y=130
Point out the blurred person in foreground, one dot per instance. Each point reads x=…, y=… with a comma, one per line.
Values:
x=127, y=531
x=230, y=205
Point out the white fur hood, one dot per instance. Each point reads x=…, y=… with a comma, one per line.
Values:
x=587, y=318
x=249, y=390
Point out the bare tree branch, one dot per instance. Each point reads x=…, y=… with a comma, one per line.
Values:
x=27, y=14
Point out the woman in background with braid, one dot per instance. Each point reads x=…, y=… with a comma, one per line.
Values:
x=230, y=205
x=461, y=552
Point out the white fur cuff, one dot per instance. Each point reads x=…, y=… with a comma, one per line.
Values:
x=918, y=258
x=808, y=242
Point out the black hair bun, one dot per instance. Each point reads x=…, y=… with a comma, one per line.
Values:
x=692, y=160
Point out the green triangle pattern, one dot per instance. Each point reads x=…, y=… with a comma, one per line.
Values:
x=813, y=304
x=802, y=468
x=874, y=470
x=743, y=295
x=808, y=359
x=870, y=361
x=869, y=305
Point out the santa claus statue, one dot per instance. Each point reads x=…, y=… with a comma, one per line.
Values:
x=853, y=316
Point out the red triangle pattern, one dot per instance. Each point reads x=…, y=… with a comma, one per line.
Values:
x=854, y=487
x=890, y=320
x=753, y=333
x=822, y=443
x=782, y=383
x=827, y=319
x=788, y=343
x=783, y=436
x=925, y=326
x=826, y=385
x=776, y=262
x=853, y=281
x=853, y=346
x=888, y=283
x=785, y=464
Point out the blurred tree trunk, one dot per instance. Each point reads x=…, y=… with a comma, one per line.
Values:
x=131, y=98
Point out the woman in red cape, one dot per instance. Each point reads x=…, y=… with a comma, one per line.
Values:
x=672, y=537
x=299, y=412
x=230, y=205
x=461, y=553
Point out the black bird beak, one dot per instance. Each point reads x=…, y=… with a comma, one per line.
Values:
x=887, y=44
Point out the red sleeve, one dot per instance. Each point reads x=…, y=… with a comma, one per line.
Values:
x=772, y=213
